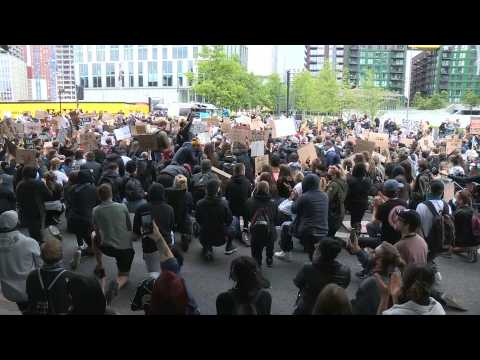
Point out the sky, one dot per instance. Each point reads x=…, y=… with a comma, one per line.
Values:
x=260, y=58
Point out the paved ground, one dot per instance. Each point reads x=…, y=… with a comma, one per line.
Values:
x=206, y=281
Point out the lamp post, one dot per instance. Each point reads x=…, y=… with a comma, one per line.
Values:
x=288, y=92
x=60, y=92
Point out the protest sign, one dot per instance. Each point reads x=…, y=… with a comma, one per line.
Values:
x=474, y=125
x=257, y=125
x=221, y=173
x=380, y=140
x=19, y=127
x=107, y=116
x=284, y=127
x=40, y=114
x=199, y=126
x=8, y=128
x=266, y=134
x=407, y=142
x=307, y=153
x=88, y=141
x=364, y=145
x=213, y=121
x=123, y=133
x=204, y=138
x=257, y=148
x=148, y=142
x=240, y=134
x=426, y=143
x=25, y=157
x=257, y=135
x=380, y=157
x=226, y=126
x=453, y=144
x=259, y=162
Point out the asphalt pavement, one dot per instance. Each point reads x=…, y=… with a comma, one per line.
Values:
x=206, y=280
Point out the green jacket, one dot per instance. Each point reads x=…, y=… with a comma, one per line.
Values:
x=337, y=192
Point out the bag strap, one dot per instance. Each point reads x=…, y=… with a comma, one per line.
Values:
x=46, y=290
x=431, y=207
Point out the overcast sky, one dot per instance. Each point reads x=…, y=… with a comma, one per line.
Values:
x=260, y=58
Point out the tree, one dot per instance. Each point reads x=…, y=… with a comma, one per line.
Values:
x=347, y=96
x=471, y=99
x=327, y=91
x=225, y=82
x=371, y=97
x=304, y=91
x=275, y=93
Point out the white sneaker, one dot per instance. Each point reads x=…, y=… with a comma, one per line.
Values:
x=438, y=276
x=282, y=255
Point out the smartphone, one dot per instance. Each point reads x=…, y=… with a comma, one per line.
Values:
x=147, y=224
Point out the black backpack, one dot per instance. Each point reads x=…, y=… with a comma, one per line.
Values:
x=133, y=189
x=45, y=306
x=261, y=225
x=442, y=233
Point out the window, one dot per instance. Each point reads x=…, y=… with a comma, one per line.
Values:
x=142, y=52
x=128, y=53
x=167, y=67
x=121, y=76
x=190, y=66
x=83, y=69
x=195, y=52
x=110, y=75
x=180, y=52
x=140, y=74
x=164, y=53
x=152, y=73
x=89, y=53
x=78, y=54
x=97, y=75
x=180, y=72
x=114, y=53
x=167, y=79
x=100, y=52
x=130, y=75
x=154, y=53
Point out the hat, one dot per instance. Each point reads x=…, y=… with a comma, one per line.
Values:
x=195, y=142
x=392, y=185
x=8, y=220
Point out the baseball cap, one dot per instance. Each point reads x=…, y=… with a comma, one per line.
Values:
x=392, y=185
x=8, y=220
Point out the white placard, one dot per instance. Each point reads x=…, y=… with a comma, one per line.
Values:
x=204, y=138
x=257, y=148
x=122, y=133
x=285, y=127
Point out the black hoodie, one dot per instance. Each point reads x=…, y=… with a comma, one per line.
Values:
x=262, y=200
x=81, y=199
x=213, y=215
x=237, y=192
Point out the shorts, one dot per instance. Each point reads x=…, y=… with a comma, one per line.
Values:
x=124, y=258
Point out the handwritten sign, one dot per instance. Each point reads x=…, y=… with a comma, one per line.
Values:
x=25, y=157
x=406, y=141
x=107, y=116
x=89, y=141
x=226, y=126
x=257, y=148
x=284, y=127
x=474, y=125
x=40, y=114
x=213, y=121
x=257, y=125
x=199, y=126
x=364, y=145
x=221, y=173
x=307, y=153
x=260, y=161
x=123, y=133
x=453, y=144
x=241, y=135
x=380, y=140
x=449, y=191
x=204, y=138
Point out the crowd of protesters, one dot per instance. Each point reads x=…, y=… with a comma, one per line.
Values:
x=119, y=192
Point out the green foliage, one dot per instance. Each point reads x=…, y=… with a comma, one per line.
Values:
x=370, y=97
x=471, y=99
x=304, y=92
x=327, y=91
x=274, y=93
x=436, y=101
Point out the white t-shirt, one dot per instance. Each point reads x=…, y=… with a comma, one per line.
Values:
x=427, y=217
x=61, y=178
x=412, y=308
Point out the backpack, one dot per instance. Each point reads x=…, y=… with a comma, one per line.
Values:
x=133, y=189
x=249, y=308
x=261, y=226
x=442, y=233
x=476, y=225
x=45, y=306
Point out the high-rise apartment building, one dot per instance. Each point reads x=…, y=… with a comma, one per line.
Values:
x=450, y=68
x=41, y=69
x=65, y=72
x=317, y=55
x=13, y=78
x=388, y=63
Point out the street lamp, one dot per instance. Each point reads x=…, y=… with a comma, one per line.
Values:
x=60, y=92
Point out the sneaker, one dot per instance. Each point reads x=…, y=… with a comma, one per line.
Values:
x=438, y=276
x=112, y=291
x=453, y=302
x=244, y=239
x=269, y=262
x=230, y=249
x=77, y=255
x=282, y=255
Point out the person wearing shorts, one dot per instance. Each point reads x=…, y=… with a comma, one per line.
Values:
x=113, y=238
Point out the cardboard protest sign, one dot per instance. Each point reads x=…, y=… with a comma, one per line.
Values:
x=284, y=127
x=25, y=157
x=221, y=173
x=257, y=135
x=407, y=141
x=307, y=153
x=88, y=141
x=257, y=125
x=213, y=121
x=240, y=134
x=107, y=116
x=123, y=133
x=364, y=145
x=475, y=125
x=380, y=140
x=453, y=144
x=40, y=114
x=266, y=134
x=19, y=128
x=204, y=138
x=257, y=148
x=148, y=142
x=8, y=128
x=226, y=126
x=426, y=143
x=259, y=162
x=139, y=129
x=199, y=126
